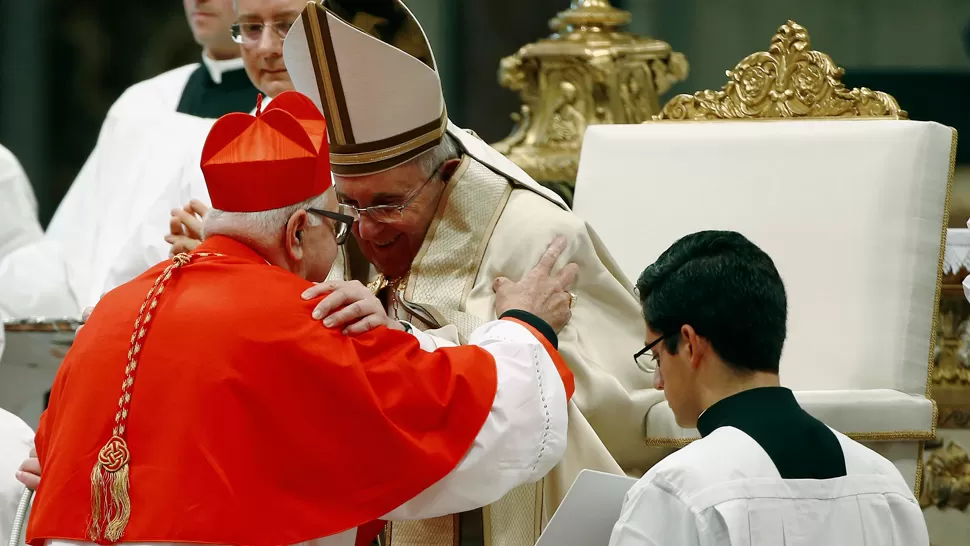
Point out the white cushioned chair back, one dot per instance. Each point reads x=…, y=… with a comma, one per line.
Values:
x=852, y=212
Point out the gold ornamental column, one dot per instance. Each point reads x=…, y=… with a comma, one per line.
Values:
x=586, y=73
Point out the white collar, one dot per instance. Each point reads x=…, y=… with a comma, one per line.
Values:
x=218, y=68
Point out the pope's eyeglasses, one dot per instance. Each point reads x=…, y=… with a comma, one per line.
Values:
x=388, y=214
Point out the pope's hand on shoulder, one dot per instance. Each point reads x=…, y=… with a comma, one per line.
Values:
x=540, y=292
x=85, y=315
x=29, y=471
x=349, y=305
x=185, y=227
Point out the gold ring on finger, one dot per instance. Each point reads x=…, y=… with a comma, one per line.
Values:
x=572, y=300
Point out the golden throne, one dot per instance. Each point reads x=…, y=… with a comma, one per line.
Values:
x=847, y=196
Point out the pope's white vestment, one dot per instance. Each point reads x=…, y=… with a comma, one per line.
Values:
x=110, y=226
x=18, y=206
x=491, y=220
x=489, y=226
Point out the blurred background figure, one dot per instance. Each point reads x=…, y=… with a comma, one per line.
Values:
x=18, y=206
x=16, y=444
x=84, y=253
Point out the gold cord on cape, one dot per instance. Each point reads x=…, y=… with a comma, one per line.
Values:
x=110, y=502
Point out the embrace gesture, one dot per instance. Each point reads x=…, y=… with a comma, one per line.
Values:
x=540, y=292
x=185, y=227
x=349, y=305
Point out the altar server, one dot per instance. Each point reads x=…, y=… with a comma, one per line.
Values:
x=260, y=28
x=18, y=206
x=16, y=443
x=765, y=472
x=104, y=230
x=208, y=89
x=241, y=420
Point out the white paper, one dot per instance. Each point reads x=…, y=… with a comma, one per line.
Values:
x=588, y=512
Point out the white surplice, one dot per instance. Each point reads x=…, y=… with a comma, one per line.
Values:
x=18, y=206
x=109, y=228
x=16, y=442
x=966, y=281
x=522, y=438
x=724, y=490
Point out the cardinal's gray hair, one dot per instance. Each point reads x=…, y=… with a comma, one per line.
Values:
x=262, y=227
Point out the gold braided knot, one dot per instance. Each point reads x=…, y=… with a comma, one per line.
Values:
x=114, y=454
x=110, y=502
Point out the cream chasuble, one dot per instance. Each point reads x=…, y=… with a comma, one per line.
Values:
x=485, y=227
x=492, y=220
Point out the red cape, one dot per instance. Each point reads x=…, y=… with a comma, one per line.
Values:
x=250, y=422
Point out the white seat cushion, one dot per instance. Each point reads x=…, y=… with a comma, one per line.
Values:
x=871, y=415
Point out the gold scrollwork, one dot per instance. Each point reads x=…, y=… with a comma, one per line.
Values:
x=951, y=371
x=790, y=80
x=588, y=72
x=946, y=482
x=954, y=418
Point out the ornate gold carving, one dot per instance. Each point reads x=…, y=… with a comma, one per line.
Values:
x=587, y=73
x=955, y=278
x=790, y=80
x=951, y=372
x=950, y=376
x=946, y=479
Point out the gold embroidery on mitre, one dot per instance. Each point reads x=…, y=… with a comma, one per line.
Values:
x=321, y=68
x=394, y=150
x=110, y=500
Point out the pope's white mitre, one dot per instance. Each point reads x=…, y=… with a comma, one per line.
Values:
x=369, y=67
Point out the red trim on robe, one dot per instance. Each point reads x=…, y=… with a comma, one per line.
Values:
x=367, y=532
x=565, y=373
x=250, y=422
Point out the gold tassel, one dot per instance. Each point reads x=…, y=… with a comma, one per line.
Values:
x=110, y=503
x=97, y=483
x=121, y=505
